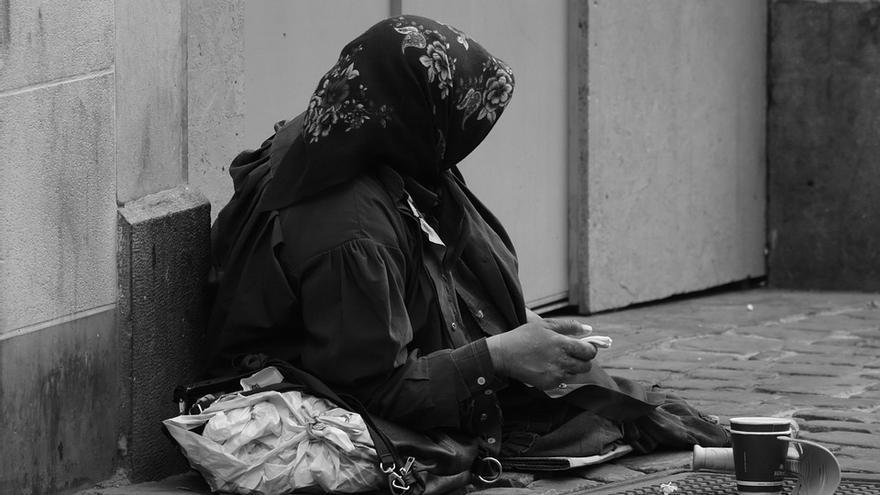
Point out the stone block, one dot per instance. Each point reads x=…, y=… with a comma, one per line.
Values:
x=57, y=226
x=45, y=40
x=164, y=245
x=60, y=405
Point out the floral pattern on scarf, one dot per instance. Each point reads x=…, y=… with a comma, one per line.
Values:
x=488, y=94
x=341, y=100
x=337, y=101
x=410, y=93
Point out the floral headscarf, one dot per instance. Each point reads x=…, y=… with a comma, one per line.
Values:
x=409, y=93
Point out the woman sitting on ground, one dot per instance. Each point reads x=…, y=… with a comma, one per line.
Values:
x=353, y=249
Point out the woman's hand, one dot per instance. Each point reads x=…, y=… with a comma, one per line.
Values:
x=532, y=317
x=542, y=354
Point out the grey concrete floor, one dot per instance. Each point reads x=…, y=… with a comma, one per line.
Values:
x=811, y=356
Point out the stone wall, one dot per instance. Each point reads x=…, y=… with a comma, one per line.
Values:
x=57, y=244
x=824, y=145
x=104, y=105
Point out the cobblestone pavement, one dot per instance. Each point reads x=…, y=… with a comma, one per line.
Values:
x=813, y=356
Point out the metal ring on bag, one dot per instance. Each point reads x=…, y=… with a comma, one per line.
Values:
x=494, y=468
x=387, y=470
x=397, y=484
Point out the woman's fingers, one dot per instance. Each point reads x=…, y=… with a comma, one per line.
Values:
x=576, y=366
x=599, y=341
x=572, y=328
x=580, y=349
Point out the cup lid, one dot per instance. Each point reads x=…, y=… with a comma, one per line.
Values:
x=760, y=420
x=760, y=425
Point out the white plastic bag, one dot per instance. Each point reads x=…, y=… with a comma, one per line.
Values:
x=272, y=443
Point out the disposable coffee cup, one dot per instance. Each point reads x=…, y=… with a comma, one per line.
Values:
x=713, y=459
x=758, y=455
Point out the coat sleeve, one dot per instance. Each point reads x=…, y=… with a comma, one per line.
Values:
x=357, y=337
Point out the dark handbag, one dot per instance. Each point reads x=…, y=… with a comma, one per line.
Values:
x=414, y=463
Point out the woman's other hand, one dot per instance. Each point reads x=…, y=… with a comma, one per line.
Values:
x=532, y=317
x=542, y=353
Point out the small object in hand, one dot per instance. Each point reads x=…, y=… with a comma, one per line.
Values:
x=598, y=341
x=667, y=488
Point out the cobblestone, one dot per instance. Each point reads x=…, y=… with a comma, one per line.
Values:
x=822, y=426
x=826, y=348
x=810, y=355
x=817, y=415
x=688, y=358
x=848, y=438
x=809, y=369
x=560, y=485
x=504, y=490
x=728, y=374
x=813, y=356
x=699, y=384
x=650, y=364
x=857, y=459
x=661, y=461
x=856, y=403
x=609, y=473
x=733, y=344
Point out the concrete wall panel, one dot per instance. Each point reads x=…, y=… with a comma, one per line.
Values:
x=215, y=92
x=60, y=406
x=150, y=96
x=47, y=40
x=676, y=147
x=57, y=226
x=520, y=170
x=288, y=47
x=823, y=144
